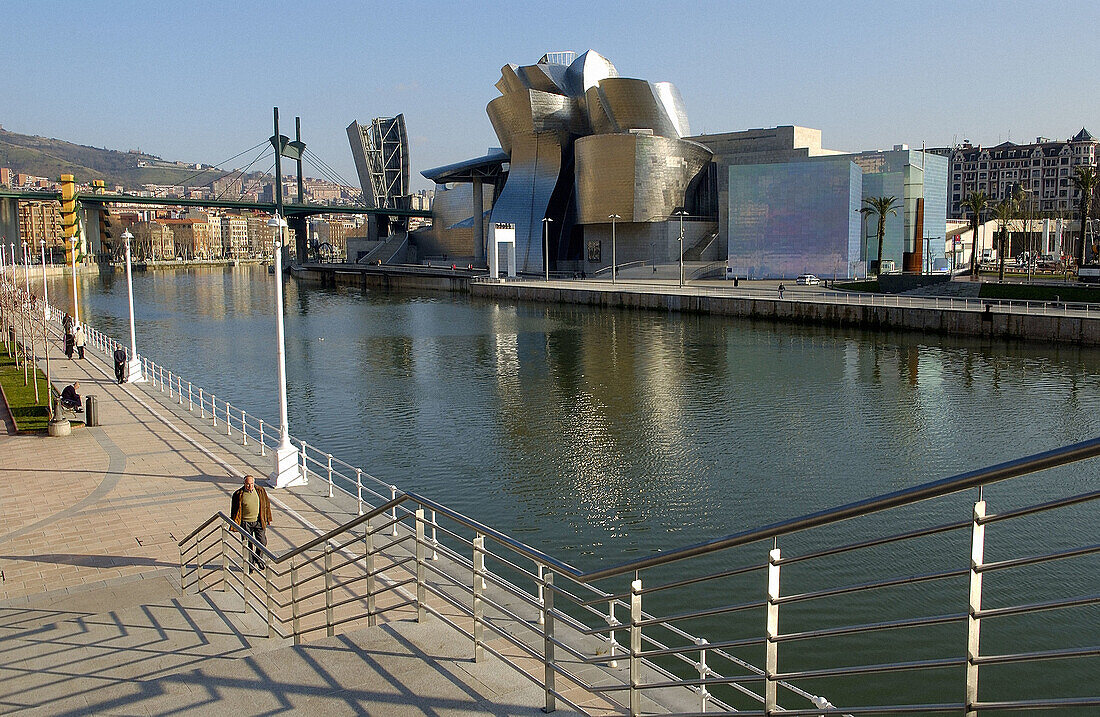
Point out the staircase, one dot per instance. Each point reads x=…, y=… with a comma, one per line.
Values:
x=140, y=646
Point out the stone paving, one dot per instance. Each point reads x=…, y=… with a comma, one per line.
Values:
x=91, y=615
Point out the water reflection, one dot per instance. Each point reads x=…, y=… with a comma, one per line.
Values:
x=582, y=428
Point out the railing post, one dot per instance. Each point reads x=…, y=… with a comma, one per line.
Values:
x=548, y=673
x=269, y=599
x=169, y=384
x=421, y=592
x=479, y=586
x=329, y=629
x=214, y=409
x=244, y=428
x=435, y=541
x=393, y=510
x=228, y=422
x=225, y=558
x=190, y=402
x=294, y=610
x=183, y=570
x=635, y=647
x=202, y=406
x=179, y=390
x=368, y=562
x=613, y=622
x=303, y=469
x=263, y=445
x=329, y=457
x=359, y=488
x=771, y=660
x=973, y=622
x=704, y=696
x=540, y=571
x=198, y=564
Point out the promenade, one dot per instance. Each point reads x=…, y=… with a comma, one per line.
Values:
x=92, y=619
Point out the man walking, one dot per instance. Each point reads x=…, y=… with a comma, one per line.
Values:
x=79, y=340
x=120, y=364
x=251, y=510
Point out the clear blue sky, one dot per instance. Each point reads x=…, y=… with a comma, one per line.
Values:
x=196, y=81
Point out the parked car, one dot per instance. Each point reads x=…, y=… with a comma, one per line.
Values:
x=807, y=280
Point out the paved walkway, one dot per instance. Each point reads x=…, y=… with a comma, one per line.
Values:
x=91, y=618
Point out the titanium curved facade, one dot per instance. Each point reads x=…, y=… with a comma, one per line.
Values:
x=583, y=143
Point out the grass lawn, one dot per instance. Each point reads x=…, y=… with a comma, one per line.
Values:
x=29, y=417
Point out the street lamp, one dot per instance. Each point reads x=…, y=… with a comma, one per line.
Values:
x=27, y=326
x=76, y=306
x=133, y=366
x=286, y=472
x=45, y=318
x=546, y=245
x=681, y=213
x=613, y=217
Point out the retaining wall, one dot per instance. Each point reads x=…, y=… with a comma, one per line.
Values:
x=991, y=324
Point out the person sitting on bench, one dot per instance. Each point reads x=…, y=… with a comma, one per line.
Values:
x=70, y=399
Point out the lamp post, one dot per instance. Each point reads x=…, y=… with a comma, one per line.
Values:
x=546, y=245
x=76, y=305
x=133, y=366
x=681, y=213
x=45, y=318
x=27, y=327
x=286, y=472
x=613, y=218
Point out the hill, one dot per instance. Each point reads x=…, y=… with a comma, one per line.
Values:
x=47, y=157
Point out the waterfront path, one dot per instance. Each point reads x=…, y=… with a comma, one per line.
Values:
x=91, y=614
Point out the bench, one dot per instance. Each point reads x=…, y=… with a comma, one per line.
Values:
x=59, y=410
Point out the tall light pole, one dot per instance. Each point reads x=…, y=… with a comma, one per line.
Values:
x=76, y=304
x=133, y=366
x=613, y=218
x=45, y=318
x=27, y=327
x=546, y=245
x=286, y=456
x=681, y=213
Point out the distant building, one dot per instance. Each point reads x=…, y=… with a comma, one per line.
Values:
x=41, y=220
x=153, y=240
x=1044, y=168
x=234, y=236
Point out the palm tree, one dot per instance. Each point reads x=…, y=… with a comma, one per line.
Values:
x=976, y=203
x=880, y=207
x=1084, y=178
x=1004, y=212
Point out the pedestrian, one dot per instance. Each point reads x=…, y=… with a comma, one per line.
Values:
x=251, y=510
x=120, y=364
x=781, y=289
x=67, y=322
x=79, y=341
x=70, y=340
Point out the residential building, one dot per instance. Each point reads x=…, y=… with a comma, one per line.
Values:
x=1043, y=168
x=41, y=220
x=234, y=236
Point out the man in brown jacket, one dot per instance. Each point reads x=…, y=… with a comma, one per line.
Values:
x=252, y=511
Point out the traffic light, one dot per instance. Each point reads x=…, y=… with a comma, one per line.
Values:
x=69, y=226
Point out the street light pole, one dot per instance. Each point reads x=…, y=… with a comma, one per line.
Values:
x=613, y=217
x=681, y=214
x=546, y=245
x=45, y=318
x=27, y=327
x=133, y=366
x=286, y=471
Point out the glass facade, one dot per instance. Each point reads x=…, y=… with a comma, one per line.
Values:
x=794, y=218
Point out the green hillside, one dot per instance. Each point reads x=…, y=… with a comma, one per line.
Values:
x=46, y=157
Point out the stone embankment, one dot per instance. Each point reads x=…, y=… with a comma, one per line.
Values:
x=986, y=320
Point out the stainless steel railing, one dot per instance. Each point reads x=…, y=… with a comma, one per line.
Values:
x=947, y=576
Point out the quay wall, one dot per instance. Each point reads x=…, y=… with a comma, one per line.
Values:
x=388, y=278
x=993, y=324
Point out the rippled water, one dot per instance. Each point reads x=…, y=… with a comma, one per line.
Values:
x=597, y=434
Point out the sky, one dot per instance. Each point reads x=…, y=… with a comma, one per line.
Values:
x=197, y=81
